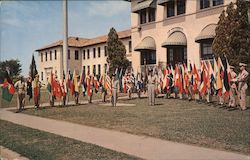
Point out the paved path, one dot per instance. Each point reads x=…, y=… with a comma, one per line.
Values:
x=140, y=146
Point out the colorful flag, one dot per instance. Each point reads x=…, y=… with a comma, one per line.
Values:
x=8, y=90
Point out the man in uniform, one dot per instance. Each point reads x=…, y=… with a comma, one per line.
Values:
x=151, y=88
x=21, y=89
x=115, y=84
x=233, y=88
x=242, y=79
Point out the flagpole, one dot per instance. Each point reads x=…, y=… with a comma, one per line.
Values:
x=65, y=35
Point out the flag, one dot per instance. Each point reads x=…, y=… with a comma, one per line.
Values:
x=8, y=90
x=75, y=82
x=196, y=79
x=226, y=86
x=64, y=86
x=218, y=75
x=108, y=85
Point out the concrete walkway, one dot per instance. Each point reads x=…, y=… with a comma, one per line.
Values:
x=139, y=146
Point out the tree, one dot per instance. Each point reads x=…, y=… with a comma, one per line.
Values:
x=33, y=70
x=14, y=68
x=233, y=34
x=116, y=52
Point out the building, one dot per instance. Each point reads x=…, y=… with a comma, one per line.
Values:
x=173, y=31
x=82, y=53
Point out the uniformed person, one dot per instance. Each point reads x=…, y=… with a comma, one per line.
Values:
x=151, y=88
x=242, y=88
x=36, y=86
x=114, y=83
x=21, y=90
x=233, y=88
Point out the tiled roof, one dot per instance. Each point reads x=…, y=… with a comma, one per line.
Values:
x=72, y=42
x=83, y=42
x=103, y=39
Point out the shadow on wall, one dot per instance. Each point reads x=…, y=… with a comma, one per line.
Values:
x=173, y=20
x=209, y=11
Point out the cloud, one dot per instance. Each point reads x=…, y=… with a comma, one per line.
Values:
x=107, y=8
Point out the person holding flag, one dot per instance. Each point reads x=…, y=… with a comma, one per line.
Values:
x=8, y=89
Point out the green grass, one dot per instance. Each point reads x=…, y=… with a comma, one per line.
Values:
x=170, y=119
x=38, y=145
x=43, y=99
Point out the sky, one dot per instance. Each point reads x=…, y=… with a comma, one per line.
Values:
x=28, y=25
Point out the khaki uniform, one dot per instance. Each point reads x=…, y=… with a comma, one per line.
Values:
x=151, y=90
x=21, y=90
x=242, y=79
x=115, y=84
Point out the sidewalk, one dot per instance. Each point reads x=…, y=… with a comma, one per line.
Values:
x=140, y=146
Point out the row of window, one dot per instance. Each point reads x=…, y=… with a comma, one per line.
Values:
x=94, y=52
x=173, y=8
x=99, y=51
x=50, y=56
x=94, y=69
x=55, y=55
x=84, y=53
x=177, y=54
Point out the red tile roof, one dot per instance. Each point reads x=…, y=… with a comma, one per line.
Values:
x=83, y=42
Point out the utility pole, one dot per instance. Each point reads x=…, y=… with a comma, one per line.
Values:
x=65, y=37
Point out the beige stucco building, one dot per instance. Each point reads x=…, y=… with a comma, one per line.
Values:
x=173, y=31
x=82, y=52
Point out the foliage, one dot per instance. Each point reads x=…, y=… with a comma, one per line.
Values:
x=33, y=70
x=14, y=67
x=116, y=52
x=233, y=34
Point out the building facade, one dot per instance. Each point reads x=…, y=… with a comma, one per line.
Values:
x=87, y=54
x=173, y=31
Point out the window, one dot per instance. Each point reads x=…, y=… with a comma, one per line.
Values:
x=68, y=54
x=105, y=67
x=105, y=51
x=93, y=52
x=94, y=70
x=99, y=69
x=41, y=57
x=151, y=14
x=150, y=57
x=84, y=54
x=88, y=53
x=76, y=55
x=99, y=52
x=204, y=4
x=46, y=56
x=143, y=16
x=84, y=70
x=218, y=2
x=42, y=76
x=55, y=55
x=170, y=8
x=181, y=6
x=130, y=46
x=50, y=55
x=171, y=54
x=88, y=69
x=206, y=50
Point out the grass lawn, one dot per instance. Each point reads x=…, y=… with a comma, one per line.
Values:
x=35, y=144
x=43, y=99
x=170, y=119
